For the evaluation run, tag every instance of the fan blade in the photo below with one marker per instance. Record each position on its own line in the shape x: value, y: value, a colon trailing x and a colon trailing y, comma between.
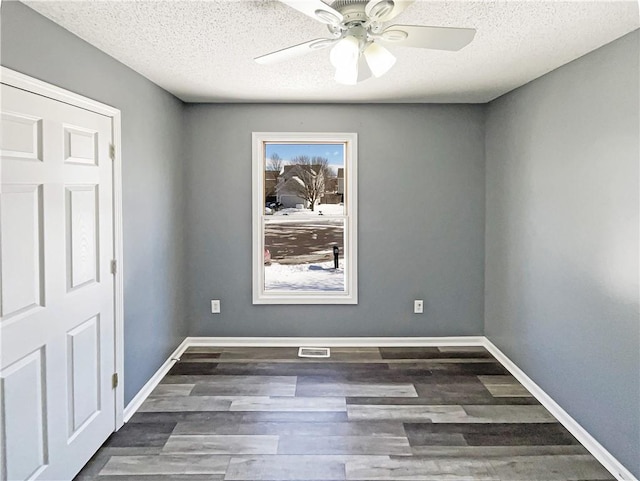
x: 385, y: 10
x: 421, y: 36
x: 317, y: 10
x: 295, y: 51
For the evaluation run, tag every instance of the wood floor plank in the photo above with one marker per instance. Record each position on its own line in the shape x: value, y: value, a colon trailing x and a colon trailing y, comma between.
x: 141, y: 436
x: 355, y: 389
x: 442, y: 397
x: 452, y: 413
x: 162, y: 477
x: 172, y: 390
x: 354, y: 428
x: 213, y: 349
x: 494, y: 451
x: 351, y: 354
x: 418, y: 469
x: 246, y: 386
x: 307, y: 404
x: 285, y: 468
x: 240, y: 417
x: 479, y: 349
x: 268, y: 353
x: 185, y: 378
x: 258, y: 380
x: 344, y: 445
x: 428, y: 353
x: 424, y: 413
x: 508, y: 414
x: 550, y: 468
x: 193, y: 368
x: 215, y: 444
x: 166, y: 464
x: 185, y: 403
x: 490, y: 434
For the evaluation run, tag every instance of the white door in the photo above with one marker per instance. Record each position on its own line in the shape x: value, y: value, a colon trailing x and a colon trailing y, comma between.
x: 57, y: 302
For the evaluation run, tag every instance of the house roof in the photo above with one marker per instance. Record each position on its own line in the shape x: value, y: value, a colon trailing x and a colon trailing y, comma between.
x: 315, y: 168
x: 271, y: 175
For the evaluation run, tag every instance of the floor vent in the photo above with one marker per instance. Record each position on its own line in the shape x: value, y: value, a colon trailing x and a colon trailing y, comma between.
x: 314, y: 352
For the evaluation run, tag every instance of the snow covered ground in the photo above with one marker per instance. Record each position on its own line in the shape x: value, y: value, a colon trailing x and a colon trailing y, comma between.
x: 304, y: 277
x: 326, y: 209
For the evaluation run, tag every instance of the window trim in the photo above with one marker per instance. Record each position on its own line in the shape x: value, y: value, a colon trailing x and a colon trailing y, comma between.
x: 350, y: 295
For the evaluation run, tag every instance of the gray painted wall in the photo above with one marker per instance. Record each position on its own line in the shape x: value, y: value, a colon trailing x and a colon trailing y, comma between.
x: 562, y: 239
x: 421, y: 220
x: 152, y: 177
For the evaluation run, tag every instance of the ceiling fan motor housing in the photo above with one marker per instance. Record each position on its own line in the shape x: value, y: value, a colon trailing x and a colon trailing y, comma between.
x: 354, y: 15
x: 351, y: 10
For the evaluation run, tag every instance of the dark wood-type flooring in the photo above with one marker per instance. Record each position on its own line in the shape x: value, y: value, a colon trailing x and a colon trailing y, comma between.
x: 366, y: 414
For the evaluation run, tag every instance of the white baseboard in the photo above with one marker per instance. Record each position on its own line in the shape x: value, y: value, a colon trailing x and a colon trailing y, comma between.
x: 594, y: 447
x: 143, y: 394
x: 336, y: 341
x: 598, y: 451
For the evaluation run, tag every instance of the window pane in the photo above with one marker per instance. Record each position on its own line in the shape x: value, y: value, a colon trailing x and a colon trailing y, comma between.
x: 300, y: 255
x: 303, y: 176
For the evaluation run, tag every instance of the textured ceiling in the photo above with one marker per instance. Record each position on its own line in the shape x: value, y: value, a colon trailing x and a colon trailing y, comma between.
x: 202, y: 51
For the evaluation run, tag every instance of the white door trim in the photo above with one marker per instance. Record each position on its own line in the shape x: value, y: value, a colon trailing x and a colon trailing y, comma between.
x: 29, y: 84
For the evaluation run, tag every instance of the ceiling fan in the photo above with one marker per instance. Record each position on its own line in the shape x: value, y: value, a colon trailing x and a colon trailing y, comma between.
x: 358, y: 32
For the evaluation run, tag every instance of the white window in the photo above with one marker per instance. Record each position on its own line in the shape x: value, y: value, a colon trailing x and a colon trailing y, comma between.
x: 304, y: 218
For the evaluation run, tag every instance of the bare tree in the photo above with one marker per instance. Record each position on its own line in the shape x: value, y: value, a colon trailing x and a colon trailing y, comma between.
x: 307, y: 178
x: 273, y: 169
x: 275, y: 163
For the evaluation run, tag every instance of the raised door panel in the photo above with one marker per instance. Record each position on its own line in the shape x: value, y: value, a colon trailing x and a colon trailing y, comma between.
x: 82, y: 236
x: 83, y: 356
x: 24, y: 451
x: 80, y: 145
x: 21, y: 136
x: 22, y: 249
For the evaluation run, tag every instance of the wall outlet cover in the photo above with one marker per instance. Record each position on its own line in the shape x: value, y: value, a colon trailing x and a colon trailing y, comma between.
x: 215, y: 307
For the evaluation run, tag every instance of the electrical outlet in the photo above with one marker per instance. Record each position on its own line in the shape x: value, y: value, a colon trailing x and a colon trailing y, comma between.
x: 215, y: 307
x: 418, y: 306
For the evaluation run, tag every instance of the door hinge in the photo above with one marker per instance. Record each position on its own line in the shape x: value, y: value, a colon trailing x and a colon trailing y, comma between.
x: 114, y: 380
x: 114, y: 266
x: 112, y: 151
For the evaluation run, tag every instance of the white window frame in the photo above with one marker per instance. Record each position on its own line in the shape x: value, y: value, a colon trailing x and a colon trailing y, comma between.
x: 350, y: 294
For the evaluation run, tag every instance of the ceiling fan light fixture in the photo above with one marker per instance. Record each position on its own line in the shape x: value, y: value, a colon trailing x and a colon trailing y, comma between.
x: 379, y: 59
x: 345, y: 53
x: 347, y: 74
